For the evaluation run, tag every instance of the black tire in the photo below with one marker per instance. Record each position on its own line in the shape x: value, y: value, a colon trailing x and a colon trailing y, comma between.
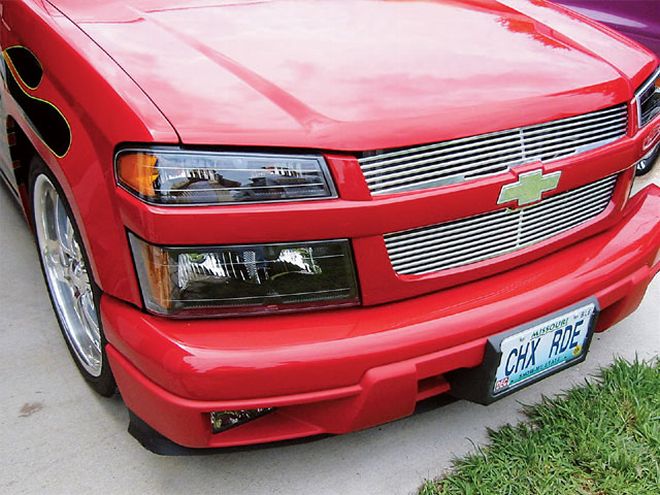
x: 103, y: 384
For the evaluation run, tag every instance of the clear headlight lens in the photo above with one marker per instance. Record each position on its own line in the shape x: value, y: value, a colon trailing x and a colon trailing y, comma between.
x: 648, y: 99
x: 175, y: 177
x: 204, y: 281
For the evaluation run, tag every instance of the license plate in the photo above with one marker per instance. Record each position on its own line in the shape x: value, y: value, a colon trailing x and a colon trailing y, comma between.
x: 539, y: 350
x: 528, y: 353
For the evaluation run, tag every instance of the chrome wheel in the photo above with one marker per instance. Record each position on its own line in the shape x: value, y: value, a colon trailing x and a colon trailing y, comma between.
x: 67, y: 275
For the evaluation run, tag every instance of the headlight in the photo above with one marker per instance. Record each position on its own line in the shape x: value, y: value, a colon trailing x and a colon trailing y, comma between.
x: 193, y: 178
x: 205, y: 281
x: 647, y: 98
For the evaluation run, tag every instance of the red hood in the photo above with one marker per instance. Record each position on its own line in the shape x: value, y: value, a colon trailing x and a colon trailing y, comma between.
x: 359, y: 74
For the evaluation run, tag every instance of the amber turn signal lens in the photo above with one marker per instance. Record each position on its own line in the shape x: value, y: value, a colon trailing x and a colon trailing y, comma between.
x: 156, y: 266
x: 137, y: 171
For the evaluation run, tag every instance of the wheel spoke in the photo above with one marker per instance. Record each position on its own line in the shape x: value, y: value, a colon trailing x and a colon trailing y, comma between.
x: 61, y: 272
x: 64, y: 229
x: 52, y: 251
x: 83, y: 304
x: 67, y: 275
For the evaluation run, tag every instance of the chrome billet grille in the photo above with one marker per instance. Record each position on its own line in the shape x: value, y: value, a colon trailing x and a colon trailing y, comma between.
x: 449, y: 162
x: 472, y: 239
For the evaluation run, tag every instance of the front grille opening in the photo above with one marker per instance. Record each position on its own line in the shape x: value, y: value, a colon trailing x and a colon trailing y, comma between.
x: 459, y: 160
x: 473, y: 239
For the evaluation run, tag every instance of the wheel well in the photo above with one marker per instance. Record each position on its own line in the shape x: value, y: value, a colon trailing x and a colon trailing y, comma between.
x: 22, y: 154
x: 21, y: 151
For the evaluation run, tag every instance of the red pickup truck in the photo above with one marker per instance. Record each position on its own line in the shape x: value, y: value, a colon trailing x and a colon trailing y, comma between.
x: 263, y: 221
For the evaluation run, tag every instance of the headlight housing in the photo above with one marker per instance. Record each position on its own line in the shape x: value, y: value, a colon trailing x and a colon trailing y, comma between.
x: 234, y: 280
x: 647, y: 99
x: 179, y: 177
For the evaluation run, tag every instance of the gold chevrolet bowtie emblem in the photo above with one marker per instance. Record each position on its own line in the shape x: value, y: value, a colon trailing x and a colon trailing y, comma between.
x: 529, y: 188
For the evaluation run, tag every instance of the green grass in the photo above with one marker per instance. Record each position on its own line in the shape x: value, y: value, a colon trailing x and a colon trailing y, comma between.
x: 602, y: 438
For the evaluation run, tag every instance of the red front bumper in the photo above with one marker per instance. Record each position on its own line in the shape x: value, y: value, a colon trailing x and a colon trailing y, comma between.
x: 344, y: 370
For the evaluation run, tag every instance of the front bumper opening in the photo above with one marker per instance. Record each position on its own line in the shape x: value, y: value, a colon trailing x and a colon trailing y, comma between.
x: 225, y: 420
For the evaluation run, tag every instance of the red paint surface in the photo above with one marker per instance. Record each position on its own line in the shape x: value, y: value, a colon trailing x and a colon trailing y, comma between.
x: 368, y: 75
x: 308, y: 76
x: 344, y: 370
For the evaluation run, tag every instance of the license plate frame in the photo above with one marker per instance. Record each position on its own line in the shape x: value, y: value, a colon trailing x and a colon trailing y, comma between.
x: 479, y: 384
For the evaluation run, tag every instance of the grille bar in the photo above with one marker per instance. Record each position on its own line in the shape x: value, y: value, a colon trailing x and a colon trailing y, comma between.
x: 472, y: 239
x: 447, y: 162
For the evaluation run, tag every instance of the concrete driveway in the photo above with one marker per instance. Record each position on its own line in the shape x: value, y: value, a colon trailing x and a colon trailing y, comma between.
x: 58, y: 437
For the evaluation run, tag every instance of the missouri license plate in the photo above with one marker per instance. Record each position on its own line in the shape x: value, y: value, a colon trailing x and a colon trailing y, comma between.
x: 528, y: 353
x: 537, y: 351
